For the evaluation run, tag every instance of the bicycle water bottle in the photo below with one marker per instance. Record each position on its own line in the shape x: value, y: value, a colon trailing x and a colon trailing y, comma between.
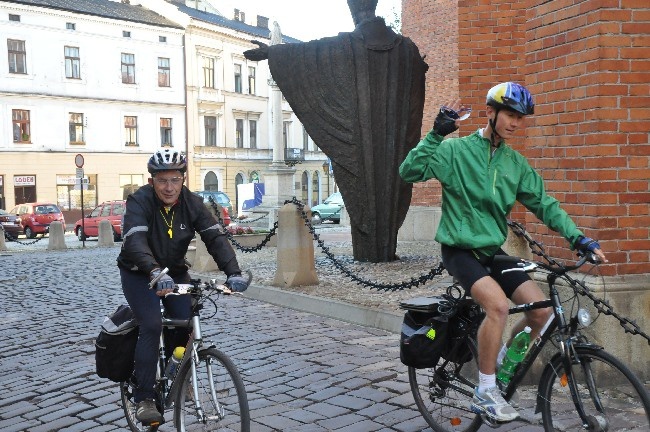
x: 515, y: 354
x: 174, y: 361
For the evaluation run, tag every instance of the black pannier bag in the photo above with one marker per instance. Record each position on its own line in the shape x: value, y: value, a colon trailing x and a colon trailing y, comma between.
x: 424, y: 332
x: 460, y: 326
x: 115, y: 345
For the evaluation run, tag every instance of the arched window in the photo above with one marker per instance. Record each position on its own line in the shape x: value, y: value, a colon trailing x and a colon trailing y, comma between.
x: 211, y: 182
x: 304, y: 186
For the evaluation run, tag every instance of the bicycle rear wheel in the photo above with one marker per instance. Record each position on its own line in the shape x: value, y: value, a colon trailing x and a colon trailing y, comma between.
x: 444, y: 394
x: 612, y: 396
x: 221, y: 396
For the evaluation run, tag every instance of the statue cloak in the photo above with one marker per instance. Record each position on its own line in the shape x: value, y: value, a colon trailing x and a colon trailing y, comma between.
x: 360, y: 96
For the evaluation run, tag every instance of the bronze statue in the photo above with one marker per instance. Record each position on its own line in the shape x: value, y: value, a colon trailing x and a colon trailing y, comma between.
x: 360, y: 96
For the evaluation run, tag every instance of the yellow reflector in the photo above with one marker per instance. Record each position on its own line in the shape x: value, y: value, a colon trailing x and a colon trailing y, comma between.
x: 564, y: 380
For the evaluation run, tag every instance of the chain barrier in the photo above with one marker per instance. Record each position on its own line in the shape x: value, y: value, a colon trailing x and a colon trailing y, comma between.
x: 602, y: 306
x: 231, y: 237
x: 414, y: 282
x: 11, y: 238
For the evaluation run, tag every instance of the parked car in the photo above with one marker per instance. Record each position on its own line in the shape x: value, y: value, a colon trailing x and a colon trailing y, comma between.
x: 35, y: 218
x: 11, y: 225
x: 330, y: 209
x: 223, y: 202
x: 109, y: 210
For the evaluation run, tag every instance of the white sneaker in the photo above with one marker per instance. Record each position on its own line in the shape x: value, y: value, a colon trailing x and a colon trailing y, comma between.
x: 491, y: 403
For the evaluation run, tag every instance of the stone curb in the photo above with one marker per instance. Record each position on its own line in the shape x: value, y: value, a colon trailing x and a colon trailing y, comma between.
x: 359, y: 315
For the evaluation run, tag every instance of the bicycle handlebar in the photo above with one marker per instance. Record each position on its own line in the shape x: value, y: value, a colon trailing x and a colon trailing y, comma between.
x: 180, y: 289
x: 560, y: 269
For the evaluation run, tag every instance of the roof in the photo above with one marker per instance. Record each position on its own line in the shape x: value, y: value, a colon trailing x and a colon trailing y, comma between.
x: 105, y: 9
x: 230, y: 23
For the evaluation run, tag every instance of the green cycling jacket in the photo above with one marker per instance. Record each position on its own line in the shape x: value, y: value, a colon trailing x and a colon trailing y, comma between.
x: 479, y: 189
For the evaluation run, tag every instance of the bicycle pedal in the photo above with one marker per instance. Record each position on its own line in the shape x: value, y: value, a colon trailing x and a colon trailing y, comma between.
x: 490, y: 422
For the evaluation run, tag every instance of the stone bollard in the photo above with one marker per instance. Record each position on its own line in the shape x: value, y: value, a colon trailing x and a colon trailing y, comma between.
x: 57, y: 237
x: 105, y: 238
x: 295, y: 262
x: 3, y: 246
x: 203, y: 261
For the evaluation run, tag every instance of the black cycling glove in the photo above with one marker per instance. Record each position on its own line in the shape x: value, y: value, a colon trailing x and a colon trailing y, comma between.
x: 236, y: 282
x: 445, y: 122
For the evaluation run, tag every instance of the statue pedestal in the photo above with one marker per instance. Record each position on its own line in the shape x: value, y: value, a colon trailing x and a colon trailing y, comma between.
x: 278, y: 188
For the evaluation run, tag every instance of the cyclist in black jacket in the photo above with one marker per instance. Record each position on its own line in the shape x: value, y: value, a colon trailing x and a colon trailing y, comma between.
x: 160, y: 220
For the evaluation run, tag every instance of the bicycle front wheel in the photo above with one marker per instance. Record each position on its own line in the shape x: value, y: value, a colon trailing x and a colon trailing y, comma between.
x: 444, y: 394
x: 612, y: 397
x: 222, y: 404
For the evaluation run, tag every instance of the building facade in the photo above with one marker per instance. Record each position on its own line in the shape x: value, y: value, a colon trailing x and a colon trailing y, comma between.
x: 107, y: 84
x: 113, y: 81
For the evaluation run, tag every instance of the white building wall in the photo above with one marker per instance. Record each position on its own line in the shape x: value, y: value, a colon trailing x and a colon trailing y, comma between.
x: 99, y: 95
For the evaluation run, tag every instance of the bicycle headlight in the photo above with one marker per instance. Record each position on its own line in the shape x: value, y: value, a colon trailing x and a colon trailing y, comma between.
x: 584, y: 317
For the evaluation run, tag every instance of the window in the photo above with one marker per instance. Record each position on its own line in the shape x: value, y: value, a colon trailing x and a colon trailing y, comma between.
x: 14, y: 17
x: 76, y: 126
x: 163, y: 72
x: 71, y: 26
x: 20, y: 120
x: 305, y: 139
x: 208, y: 72
x: 210, y: 131
x: 126, y: 34
x: 128, y: 68
x: 131, y: 130
x: 239, y: 133
x: 162, y: 39
x: 166, y: 132
x: 237, y: 78
x: 251, y: 80
x: 17, y: 56
x: 72, y: 64
x: 130, y: 183
x: 252, y: 130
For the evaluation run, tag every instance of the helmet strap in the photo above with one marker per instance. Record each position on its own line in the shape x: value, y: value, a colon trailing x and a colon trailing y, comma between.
x: 493, y: 126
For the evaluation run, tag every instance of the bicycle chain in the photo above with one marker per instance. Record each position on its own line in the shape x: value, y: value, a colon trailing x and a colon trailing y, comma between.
x: 602, y: 306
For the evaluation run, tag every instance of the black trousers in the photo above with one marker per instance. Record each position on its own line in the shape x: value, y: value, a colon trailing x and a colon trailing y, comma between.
x: 146, y: 307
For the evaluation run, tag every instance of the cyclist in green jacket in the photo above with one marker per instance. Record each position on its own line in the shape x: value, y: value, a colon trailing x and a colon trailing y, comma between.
x: 481, y: 179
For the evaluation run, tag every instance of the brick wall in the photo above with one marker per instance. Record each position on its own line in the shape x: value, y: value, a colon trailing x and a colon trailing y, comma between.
x: 587, y: 63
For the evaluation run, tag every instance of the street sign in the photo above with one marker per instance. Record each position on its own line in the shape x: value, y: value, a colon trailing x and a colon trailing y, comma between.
x: 80, y: 173
x: 79, y: 161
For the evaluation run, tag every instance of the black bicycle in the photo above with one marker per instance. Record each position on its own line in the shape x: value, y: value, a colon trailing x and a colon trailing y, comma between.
x: 582, y: 387
x: 207, y: 392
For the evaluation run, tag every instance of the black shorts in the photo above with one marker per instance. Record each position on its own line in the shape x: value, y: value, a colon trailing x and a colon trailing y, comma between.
x: 466, y: 268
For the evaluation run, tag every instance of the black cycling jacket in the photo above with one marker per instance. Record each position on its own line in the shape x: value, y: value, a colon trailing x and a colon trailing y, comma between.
x: 145, y: 240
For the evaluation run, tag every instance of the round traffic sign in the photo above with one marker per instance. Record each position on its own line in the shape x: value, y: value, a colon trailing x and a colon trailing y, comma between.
x: 79, y: 161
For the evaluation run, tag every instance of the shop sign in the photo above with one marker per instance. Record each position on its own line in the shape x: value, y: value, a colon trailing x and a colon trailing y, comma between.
x: 23, y: 180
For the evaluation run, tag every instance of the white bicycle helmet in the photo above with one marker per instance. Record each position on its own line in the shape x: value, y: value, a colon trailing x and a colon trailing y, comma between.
x: 166, y: 160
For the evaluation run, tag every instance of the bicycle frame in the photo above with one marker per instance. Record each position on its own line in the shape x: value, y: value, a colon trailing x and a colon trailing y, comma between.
x: 566, y: 341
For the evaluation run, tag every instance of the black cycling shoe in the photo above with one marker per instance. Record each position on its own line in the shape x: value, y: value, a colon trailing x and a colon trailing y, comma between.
x: 147, y: 413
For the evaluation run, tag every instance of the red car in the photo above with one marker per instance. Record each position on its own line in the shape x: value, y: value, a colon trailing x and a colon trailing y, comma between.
x: 35, y: 218
x: 109, y: 210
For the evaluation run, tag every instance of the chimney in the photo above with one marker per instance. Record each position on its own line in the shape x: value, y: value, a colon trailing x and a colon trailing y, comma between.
x: 236, y: 18
x: 262, y: 22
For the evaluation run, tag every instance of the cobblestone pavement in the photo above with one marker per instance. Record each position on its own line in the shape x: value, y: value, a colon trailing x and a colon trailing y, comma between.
x: 303, y: 372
